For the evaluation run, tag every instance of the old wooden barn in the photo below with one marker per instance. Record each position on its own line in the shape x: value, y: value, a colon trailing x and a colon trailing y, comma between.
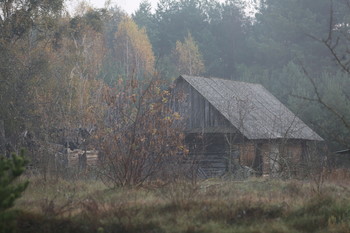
x: 231, y: 124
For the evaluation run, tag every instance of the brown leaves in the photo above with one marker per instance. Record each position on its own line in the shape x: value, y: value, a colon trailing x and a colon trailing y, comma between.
x: 147, y: 140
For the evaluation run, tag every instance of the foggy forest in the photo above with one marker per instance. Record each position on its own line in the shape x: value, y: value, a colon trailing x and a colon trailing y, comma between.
x: 193, y: 116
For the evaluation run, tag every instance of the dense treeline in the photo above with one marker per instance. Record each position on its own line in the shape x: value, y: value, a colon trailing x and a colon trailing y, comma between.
x: 282, y: 47
x: 56, y: 67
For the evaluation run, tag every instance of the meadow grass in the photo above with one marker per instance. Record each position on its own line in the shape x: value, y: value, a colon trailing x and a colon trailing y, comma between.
x: 254, y: 205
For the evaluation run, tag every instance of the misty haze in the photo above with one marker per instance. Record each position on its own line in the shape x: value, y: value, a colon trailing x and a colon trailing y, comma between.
x: 174, y: 116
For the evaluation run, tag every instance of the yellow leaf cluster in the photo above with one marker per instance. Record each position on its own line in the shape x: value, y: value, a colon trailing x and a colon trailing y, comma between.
x: 189, y: 58
x: 134, y: 47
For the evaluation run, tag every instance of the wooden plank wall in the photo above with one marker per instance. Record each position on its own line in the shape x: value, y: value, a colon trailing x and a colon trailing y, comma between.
x: 259, y: 155
x: 196, y: 110
x: 290, y: 152
x: 209, y: 153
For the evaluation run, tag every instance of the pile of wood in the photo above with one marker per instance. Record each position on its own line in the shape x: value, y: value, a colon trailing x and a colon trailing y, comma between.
x: 82, y: 158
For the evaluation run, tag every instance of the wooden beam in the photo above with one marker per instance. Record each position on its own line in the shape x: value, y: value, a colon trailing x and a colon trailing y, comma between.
x: 2, y: 138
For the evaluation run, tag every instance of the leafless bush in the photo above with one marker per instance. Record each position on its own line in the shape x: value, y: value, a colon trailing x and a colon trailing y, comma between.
x: 179, y: 192
x: 138, y: 139
x: 52, y: 207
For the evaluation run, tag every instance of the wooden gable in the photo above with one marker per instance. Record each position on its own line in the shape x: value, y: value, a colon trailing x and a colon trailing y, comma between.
x: 197, y: 112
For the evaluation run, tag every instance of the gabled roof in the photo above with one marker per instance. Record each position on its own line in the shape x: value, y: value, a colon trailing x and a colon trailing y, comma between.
x: 251, y: 109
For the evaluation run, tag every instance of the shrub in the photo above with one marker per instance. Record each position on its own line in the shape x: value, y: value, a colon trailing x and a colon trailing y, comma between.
x: 139, y: 140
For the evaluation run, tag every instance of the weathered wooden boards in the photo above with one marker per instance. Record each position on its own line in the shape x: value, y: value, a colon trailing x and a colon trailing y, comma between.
x: 81, y: 158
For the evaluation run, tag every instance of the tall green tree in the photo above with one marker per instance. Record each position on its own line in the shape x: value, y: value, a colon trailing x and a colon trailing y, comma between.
x: 282, y: 33
x: 230, y: 36
x: 144, y: 18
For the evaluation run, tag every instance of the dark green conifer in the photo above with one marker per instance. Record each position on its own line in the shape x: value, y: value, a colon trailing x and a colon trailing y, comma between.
x: 10, y: 189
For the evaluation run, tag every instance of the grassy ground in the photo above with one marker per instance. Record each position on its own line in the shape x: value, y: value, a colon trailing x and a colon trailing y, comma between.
x: 256, y: 205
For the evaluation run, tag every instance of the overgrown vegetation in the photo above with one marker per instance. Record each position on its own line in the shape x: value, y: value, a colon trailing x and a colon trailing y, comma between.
x: 256, y: 205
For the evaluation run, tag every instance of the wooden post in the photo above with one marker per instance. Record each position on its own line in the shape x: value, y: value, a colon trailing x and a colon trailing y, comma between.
x: 274, y: 159
x: 82, y: 161
x: 304, y: 157
x: 304, y: 153
x: 258, y: 160
x: 2, y: 138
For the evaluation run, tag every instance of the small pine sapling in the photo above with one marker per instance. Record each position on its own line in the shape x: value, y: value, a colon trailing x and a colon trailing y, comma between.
x: 10, y: 170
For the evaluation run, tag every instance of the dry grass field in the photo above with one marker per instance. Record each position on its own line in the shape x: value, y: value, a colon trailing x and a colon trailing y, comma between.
x: 255, y: 205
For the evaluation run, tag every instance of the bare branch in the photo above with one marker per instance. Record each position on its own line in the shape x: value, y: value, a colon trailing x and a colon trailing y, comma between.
x: 320, y: 100
x: 329, y: 41
x: 330, y: 29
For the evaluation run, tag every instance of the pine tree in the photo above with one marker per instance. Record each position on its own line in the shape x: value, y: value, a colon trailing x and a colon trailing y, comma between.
x: 10, y: 170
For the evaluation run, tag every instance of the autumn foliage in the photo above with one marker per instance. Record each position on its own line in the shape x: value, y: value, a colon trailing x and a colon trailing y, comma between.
x: 134, y: 50
x: 138, y: 138
x: 189, y: 60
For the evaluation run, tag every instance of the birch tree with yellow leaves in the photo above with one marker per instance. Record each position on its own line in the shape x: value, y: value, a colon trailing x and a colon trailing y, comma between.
x: 135, y: 57
x: 189, y: 60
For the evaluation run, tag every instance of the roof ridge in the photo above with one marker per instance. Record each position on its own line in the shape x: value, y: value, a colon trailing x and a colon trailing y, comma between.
x: 219, y: 78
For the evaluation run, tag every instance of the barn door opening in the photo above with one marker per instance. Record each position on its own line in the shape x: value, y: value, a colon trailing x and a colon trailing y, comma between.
x: 213, y: 160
